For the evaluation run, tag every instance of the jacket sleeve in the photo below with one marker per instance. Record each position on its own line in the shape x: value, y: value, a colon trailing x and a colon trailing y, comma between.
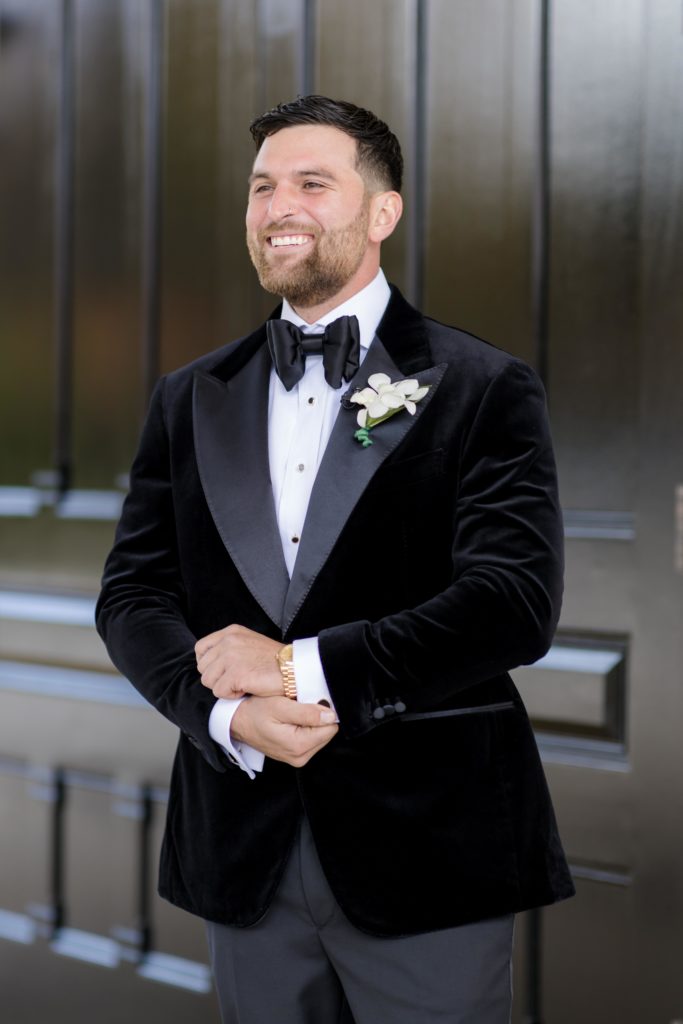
x: 140, y: 613
x: 501, y: 607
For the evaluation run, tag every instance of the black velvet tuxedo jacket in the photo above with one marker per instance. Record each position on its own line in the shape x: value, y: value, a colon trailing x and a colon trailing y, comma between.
x: 429, y: 565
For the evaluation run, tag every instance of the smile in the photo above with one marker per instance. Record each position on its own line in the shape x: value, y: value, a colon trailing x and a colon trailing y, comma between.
x: 282, y: 240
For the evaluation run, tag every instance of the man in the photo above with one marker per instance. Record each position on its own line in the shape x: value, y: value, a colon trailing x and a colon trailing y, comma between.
x: 325, y: 567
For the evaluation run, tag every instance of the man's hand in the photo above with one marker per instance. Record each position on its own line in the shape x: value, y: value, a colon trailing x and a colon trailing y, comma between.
x: 235, y: 661
x: 284, y: 729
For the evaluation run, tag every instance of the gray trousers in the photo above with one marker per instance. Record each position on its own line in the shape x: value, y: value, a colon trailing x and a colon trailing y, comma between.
x: 305, y: 964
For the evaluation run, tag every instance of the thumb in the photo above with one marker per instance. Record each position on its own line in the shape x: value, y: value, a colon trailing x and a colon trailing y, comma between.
x: 310, y: 715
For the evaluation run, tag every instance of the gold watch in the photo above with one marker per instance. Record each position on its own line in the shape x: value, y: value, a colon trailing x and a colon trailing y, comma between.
x: 285, y: 659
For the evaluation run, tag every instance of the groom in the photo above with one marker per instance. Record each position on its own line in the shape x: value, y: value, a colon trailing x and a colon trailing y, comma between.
x: 342, y: 531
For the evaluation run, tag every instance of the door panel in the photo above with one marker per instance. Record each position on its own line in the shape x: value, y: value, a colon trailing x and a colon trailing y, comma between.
x: 596, y: 183
x: 481, y: 82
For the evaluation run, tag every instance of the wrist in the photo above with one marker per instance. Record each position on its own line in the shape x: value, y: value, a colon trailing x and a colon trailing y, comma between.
x: 236, y: 735
x: 285, y: 660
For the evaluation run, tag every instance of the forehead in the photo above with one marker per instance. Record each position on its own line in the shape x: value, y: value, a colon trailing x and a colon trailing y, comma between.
x: 304, y: 147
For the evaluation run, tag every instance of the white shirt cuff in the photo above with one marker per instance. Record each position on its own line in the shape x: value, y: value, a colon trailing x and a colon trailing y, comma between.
x: 311, y: 685
x: 247, y: 758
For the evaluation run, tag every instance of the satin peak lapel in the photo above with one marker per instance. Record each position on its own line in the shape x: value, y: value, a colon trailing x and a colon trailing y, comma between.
x: 231, y: 446
x: 346, y: 470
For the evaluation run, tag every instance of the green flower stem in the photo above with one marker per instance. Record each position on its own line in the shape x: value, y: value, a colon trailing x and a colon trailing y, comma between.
x: 363, y: 436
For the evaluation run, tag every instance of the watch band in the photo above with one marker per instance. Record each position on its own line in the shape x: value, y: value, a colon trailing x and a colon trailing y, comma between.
x: 285, y: 659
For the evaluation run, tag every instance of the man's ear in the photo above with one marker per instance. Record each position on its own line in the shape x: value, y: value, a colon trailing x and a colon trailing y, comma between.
x: 385, y: 212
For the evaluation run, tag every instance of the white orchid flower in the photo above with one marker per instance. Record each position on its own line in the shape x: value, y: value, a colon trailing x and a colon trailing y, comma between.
x: 382, y: 398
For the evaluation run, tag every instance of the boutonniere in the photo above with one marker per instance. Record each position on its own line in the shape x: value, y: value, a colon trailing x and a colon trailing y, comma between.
x: 383, y: 399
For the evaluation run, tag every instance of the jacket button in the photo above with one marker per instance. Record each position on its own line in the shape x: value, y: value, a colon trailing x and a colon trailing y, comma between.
x: 378, y: 714
x: 399, y: 707
x: 389, y: 709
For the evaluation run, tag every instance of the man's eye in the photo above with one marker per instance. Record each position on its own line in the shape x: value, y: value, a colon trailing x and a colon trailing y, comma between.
x: 312, y: 185
x: 261, y: 188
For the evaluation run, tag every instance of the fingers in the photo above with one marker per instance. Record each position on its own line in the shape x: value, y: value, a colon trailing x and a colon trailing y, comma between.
x: 302, y: 753
x: 212, y: 673
x: 212, y: 653
x: 283, y: 729
x: 205, y: 643
x: 304, y: 730
x: 296, y: 746
x: 236, y: 660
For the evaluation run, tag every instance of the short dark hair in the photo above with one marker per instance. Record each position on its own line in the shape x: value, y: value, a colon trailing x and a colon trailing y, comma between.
x: 379, y: 152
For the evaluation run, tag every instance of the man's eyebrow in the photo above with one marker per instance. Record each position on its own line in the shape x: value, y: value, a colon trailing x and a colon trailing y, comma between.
x: 316, y: 172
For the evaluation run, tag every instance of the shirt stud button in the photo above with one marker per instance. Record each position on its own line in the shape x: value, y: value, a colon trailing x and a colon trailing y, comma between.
x: 311, y: 401
x: 295, y: 540
x: 300, y: 468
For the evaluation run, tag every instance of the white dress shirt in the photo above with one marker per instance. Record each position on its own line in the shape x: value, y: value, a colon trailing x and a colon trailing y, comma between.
x: 300, y: 422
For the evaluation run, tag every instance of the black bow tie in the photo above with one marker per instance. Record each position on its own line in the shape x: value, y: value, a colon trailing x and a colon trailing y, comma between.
x: 339, y: 345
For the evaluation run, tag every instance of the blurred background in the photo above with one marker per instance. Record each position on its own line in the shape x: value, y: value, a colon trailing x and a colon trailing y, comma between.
x: 544, y: 150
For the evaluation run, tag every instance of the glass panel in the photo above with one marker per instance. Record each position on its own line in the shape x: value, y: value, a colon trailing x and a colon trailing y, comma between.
x: 596, y: 183
x: 226, y: 63
x: 280, y: 50
x: 110, y: 42
x: 481, y: 86
x: 27, y: 84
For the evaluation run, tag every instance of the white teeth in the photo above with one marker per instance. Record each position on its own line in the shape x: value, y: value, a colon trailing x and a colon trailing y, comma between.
x: 290, y: 240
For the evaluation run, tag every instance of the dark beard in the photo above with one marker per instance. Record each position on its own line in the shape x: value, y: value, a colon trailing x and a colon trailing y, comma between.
x: 323, y: 273
x: 307, y: 285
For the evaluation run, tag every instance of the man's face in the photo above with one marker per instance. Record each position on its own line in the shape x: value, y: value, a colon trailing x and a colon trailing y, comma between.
x: 308, y: 215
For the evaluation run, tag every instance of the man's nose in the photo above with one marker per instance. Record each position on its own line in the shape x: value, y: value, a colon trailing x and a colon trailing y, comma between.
x: 282, y: 202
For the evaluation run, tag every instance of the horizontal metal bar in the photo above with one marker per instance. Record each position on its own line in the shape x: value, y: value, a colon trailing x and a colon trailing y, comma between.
x: 69, y: 683
x: 82, y: 504
x: 80, y: 945
x: 17, y: 927
x: 581, y: 752
x: 60, y: 609
x: 175, y: 970
x: 599, y: 524
x: 609, y: 876
x: 21, y: 502
x: 27, y: 502
x: 593, y: 661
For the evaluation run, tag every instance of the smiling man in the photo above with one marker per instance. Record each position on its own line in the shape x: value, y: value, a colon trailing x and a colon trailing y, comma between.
x: 342, y: 532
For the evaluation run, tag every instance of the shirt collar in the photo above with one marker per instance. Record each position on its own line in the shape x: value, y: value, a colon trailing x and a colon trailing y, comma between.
x: 368, y: 305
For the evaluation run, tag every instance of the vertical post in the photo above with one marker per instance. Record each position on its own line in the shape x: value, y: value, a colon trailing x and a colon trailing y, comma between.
x: 57, y: 851
x: 540, y: 301
x: 64, y: 251
x: 418, y: 197
x: 152, y: 201
x: 540, y: 243
x: 144, y: 865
